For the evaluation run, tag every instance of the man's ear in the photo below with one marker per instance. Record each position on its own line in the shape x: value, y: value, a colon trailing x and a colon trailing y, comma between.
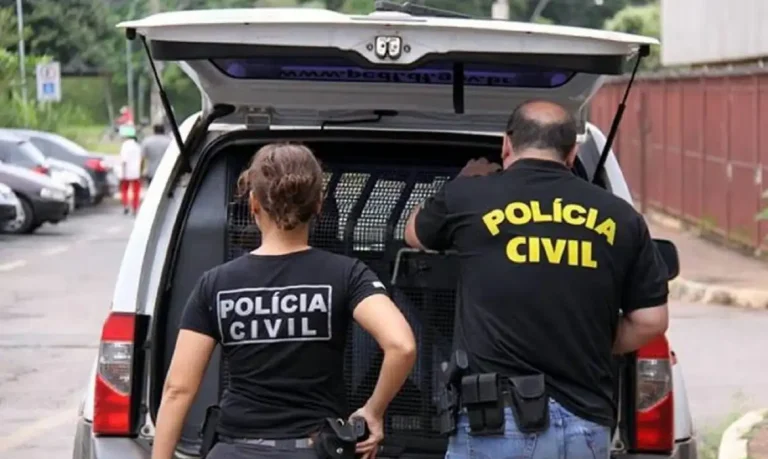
x: 571, y: 157
x: 506, y: 148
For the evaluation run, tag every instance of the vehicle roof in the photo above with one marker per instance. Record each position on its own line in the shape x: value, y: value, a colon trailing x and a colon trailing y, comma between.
x: 9, y: 135
x: 244, y: 16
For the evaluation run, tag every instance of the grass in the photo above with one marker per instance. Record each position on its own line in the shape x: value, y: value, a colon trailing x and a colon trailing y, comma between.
x: 709, y: 437
x: 92, y: 138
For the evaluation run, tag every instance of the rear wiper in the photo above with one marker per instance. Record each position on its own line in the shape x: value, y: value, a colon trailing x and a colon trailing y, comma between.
x: 377, y: 116
x: 644, y: 51
x: 415, y: 9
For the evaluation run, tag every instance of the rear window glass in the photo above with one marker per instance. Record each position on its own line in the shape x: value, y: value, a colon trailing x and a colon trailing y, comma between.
x: 433, y: 73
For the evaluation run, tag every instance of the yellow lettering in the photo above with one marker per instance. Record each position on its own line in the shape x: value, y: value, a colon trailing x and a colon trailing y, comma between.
x: 534, y: 249
x: 554, y: 253
x: 492, y: 220
x: 586, y: 255
x: 537, y: 215
x: 569, y: 217
x: 573, y: 252
x: 511, y: 213
x: 591, y: 218
x: 557, y: 210
x: 607, y: 229
x: 512, y: 250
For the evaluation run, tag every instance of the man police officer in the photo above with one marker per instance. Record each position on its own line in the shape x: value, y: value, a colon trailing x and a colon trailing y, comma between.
x: 556, y: 276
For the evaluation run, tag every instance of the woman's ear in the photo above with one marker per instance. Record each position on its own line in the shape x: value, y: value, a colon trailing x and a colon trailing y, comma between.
x: 253, y: 204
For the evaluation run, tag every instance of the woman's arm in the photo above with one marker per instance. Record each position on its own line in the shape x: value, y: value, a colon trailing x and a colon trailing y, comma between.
x: 379, y: 316
x: 190, y: 359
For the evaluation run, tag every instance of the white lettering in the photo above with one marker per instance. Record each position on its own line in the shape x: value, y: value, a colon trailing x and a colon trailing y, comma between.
x: 236, y: 330
x: 254, y: 329
x: 305, y: 330
x: 244, y: 306
x: 291, y: 327
x: 260, y: 309
x: 273, y: 327
x: 226, y: 306
x: 317, y: 304
x: 289, y: 308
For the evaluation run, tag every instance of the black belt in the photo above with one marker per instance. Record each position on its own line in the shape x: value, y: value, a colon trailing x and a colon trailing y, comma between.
x: 288, y: 443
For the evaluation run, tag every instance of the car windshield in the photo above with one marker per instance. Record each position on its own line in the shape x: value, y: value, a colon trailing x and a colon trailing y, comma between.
x: 31, y: 152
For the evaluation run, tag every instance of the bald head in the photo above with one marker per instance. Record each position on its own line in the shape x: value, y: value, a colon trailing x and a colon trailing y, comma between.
x: 544, y: 127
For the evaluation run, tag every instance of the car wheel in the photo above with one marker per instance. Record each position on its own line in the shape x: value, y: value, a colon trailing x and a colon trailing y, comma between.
x: 24, y: 223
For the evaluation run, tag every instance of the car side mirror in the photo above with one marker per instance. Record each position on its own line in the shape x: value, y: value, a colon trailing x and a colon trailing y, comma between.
x: 668, y: 253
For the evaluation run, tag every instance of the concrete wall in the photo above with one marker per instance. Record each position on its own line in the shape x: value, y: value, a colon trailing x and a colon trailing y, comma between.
x: 697, y: 32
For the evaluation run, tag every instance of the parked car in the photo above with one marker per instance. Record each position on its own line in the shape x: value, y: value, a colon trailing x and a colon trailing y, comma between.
x: 61, y: 148
x: 8, y: 204
x: 409, y: 126
x: 42, y: 199
x: 17, y: 150
x: 81, y: 181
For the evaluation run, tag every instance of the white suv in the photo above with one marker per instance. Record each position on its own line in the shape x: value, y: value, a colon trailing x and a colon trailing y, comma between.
x: 393, y: 104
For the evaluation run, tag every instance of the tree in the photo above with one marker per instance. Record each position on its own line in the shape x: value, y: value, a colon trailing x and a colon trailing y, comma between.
x: 640, y: 20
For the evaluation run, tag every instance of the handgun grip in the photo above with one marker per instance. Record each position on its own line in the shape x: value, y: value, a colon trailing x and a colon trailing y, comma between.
x: 360, y: 428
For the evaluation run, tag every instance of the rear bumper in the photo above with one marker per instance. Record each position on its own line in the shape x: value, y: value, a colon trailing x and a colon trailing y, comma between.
x: 50, y: 211
x: 89, y: 447
x: 684, y: 449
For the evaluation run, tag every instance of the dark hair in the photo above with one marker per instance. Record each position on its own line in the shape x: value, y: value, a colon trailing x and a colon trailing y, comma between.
x: 554, y: 130
x: 288, y: 182
x: 158, y: 129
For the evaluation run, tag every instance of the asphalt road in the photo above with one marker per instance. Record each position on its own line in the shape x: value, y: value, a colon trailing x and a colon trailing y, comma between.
x: 56, y: 287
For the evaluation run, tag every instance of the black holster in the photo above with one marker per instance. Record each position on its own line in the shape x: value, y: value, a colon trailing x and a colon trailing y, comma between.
x: 448, y: 396
x: 337, y: 439
x: 208, y: 433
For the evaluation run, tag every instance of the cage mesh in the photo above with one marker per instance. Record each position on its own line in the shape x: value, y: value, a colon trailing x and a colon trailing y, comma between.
x: 364, y: 216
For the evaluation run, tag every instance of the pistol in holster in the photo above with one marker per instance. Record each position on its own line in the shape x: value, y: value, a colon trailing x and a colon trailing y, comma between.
x: 484, y: 397
x: 337, y: 439
x: 208, y: 432
x: 449, y: 391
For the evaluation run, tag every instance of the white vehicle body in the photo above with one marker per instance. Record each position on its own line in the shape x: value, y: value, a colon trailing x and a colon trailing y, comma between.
x: 265, y: 108
x: 74, y: 175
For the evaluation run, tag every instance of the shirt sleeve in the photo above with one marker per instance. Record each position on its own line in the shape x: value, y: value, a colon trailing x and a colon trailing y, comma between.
x: 363, y: 282
x: 432, y: 223
x: 198, y: 313
x: 646, y: 283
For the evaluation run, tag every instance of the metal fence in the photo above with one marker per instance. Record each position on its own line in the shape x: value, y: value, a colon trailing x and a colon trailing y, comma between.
x: 695, y: 146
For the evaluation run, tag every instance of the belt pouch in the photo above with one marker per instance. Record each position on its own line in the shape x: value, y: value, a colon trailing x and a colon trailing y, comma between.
x: 481, y: 396
x: 336, y: 440
x: 530, y: 403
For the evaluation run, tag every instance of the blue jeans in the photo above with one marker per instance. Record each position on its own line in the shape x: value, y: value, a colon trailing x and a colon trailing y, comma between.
x: 568, y: 436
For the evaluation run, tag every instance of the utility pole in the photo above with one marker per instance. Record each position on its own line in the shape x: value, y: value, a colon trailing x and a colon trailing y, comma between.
x: 155, y: 105
x: 22, y: 58
x: 539, y: 8
x: 500, y: 10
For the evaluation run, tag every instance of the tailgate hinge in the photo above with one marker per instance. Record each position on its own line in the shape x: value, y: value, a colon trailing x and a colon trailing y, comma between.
x: 258, y: 118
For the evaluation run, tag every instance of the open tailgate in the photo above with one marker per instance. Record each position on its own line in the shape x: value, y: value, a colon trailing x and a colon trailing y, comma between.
x: 302, y: 66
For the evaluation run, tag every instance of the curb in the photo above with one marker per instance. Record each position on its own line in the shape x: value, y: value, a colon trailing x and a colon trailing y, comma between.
x: 733, y: 445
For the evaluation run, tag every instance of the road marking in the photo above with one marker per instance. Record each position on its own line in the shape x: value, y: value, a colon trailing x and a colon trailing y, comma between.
x: 55, y: 250
x: 36, y: 429
x: 12, y: 265
x: 114, y: 229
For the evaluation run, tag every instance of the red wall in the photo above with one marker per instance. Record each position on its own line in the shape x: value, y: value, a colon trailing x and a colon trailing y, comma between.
x: 706, y: 148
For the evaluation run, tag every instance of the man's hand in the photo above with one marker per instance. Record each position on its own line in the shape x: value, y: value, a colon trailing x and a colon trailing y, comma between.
x: 479, y: 167
x: 369, y: 447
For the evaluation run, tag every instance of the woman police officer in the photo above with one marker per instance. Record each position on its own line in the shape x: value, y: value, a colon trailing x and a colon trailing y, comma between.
x: 281, y: 314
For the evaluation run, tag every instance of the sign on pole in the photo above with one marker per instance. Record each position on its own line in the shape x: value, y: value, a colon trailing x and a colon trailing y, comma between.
x: 49, y: 82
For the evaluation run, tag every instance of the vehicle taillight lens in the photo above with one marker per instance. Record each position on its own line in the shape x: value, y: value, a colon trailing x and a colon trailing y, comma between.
x: 112, y: 403
x: 95, y: 164
x: 655, y: 422
x: 41, y: 170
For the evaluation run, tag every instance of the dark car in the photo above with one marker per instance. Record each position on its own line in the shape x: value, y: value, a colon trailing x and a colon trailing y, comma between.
x: 41, y: 199
x: 61, y: 148
x: 16, y: 150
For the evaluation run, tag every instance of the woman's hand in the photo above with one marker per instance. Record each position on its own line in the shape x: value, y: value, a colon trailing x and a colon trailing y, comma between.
x: 369, y: 447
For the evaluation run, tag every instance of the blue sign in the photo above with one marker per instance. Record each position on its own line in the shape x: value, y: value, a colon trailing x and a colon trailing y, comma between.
x: 48, y: 82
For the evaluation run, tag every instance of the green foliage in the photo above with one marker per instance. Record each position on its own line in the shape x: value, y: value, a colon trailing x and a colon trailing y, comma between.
x: 640, y: 20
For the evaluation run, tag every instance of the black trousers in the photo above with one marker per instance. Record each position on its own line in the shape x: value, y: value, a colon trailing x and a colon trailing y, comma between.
x: 241, y: 451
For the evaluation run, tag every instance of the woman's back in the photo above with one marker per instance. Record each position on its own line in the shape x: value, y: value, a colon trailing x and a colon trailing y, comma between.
x: 282, y: 321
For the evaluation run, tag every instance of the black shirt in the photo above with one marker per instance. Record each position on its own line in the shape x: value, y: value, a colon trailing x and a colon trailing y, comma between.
x: 547, y: 260
x: 282, y: 322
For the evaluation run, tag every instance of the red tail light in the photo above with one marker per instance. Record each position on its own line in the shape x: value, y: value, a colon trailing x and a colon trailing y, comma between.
x: 112, y: 403
x: 655, y: 422
x: 96, y: 165
x: 41, y: 170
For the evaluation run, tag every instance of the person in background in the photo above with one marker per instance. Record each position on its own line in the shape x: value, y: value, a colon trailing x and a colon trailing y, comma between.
x: 130, y: 168
x: 153, y: 148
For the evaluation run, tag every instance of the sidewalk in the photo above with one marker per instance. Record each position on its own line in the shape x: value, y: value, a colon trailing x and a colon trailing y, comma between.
x: 710, y: 273
x: 757, y: 445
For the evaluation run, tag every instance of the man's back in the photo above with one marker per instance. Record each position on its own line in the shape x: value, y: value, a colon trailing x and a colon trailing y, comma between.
x: 544, y: 259
x: 153, y: 148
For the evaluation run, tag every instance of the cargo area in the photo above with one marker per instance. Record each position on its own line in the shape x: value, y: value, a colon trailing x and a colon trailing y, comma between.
x: 373, y: 179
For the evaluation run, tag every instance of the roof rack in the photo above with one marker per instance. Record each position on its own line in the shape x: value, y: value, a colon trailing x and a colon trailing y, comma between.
x: 415, y: 9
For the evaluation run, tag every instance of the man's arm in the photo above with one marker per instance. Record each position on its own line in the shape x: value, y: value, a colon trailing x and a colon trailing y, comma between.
x: 646, y: 314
